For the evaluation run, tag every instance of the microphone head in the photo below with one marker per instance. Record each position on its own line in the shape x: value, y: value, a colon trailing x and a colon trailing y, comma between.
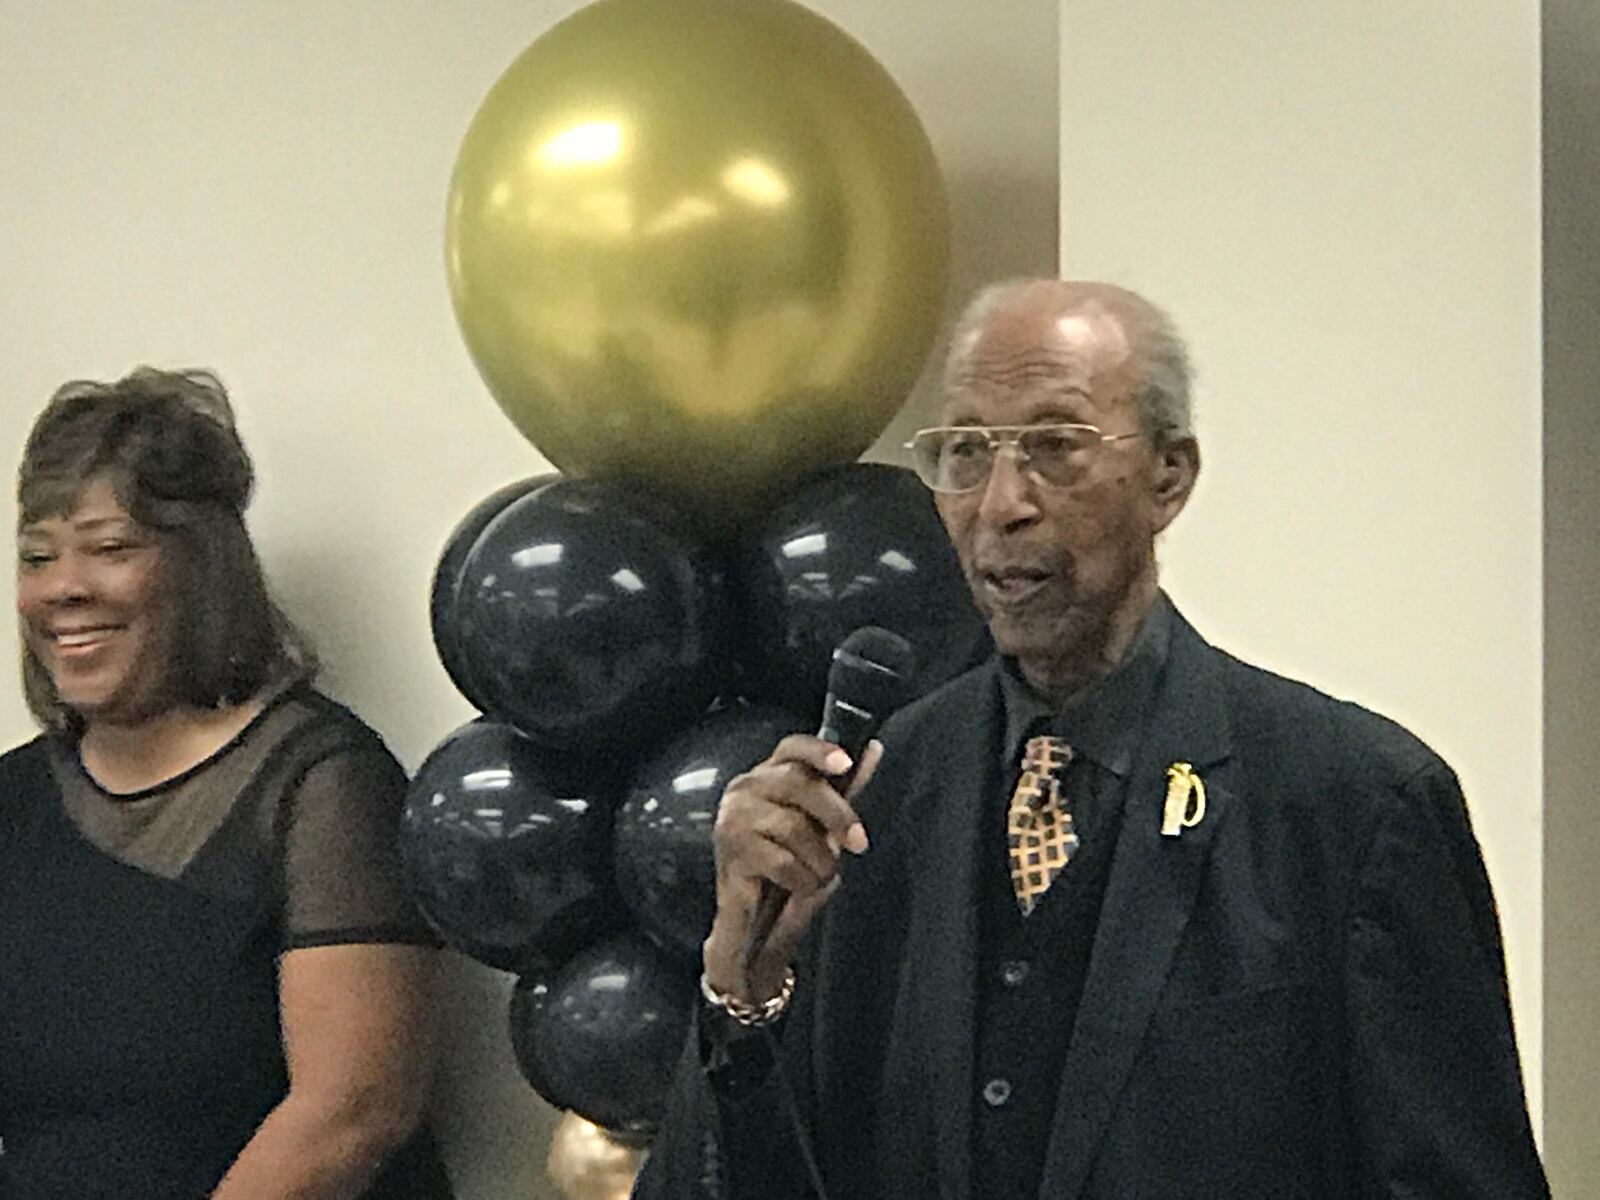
x: 870, y: 677
x: 875, y: 647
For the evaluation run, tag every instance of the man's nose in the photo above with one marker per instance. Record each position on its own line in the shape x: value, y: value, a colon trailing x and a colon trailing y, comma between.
x: 1008, y: 494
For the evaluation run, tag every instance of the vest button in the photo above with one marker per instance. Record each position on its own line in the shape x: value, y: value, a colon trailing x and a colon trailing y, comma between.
x: 1013, y: 971
x: 996, y: 1092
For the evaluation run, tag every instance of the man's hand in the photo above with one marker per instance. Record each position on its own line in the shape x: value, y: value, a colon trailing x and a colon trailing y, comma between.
x: 781, y: 821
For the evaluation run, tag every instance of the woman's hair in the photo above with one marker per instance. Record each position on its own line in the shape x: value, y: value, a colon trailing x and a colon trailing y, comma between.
x: 166, y: 443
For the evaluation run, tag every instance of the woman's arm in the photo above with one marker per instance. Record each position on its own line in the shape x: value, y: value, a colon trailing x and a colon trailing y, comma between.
x: 357, y: 1035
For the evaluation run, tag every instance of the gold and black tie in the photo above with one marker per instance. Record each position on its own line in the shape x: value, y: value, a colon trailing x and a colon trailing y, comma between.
x: 1039, y: 832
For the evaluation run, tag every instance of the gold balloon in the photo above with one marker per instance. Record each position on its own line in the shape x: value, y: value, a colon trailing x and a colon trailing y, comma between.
x: 587, y: 1163
x: 700, y: 244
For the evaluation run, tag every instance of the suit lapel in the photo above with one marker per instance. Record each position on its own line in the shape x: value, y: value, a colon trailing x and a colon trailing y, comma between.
x: 946, y: 933
x: 1152, y: 890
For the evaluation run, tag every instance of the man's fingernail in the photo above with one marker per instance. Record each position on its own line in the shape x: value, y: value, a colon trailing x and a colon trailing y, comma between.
x: 837, y: 763
x: 855, y: 839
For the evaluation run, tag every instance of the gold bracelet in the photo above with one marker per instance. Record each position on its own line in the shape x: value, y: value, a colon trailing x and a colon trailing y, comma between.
x: 751, y: 1015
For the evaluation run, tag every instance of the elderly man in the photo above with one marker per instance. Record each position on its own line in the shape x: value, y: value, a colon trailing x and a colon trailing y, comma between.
x: 1115, y: 915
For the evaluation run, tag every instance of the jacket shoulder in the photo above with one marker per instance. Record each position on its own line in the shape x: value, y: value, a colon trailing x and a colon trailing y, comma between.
x: 1284, y: 718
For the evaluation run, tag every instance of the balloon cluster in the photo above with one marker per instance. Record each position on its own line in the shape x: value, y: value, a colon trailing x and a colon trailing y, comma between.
x: 698, y: 252
x: 627, y: 672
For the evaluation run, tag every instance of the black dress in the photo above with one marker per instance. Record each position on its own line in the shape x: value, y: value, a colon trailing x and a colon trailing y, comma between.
x: 139, y: 1037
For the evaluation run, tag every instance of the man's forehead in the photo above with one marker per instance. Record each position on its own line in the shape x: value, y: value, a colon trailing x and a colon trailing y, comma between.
x: 1092, y: 329
x: 1085, y: 333
x: 1044, y: 356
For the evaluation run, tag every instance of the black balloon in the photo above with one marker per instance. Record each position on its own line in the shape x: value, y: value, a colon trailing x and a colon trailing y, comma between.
x: 588, y: 620
x: 447, y: 577
x: 603, y: 1036
x: 664, y: 862
x: 510, y: 865
x: 860, y: 545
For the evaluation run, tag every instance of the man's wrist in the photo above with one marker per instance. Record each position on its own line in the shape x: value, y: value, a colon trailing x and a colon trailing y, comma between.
x: 724, y: 972
x: 746, y: 1013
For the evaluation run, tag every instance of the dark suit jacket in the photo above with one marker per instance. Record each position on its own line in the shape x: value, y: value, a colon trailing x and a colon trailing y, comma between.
x: 1301, y: 996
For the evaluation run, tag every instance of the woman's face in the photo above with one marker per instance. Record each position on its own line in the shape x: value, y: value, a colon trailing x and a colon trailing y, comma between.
x: 97, y: 609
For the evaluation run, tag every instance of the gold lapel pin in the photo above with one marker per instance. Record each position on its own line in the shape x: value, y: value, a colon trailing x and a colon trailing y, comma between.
x: 1186, y: 800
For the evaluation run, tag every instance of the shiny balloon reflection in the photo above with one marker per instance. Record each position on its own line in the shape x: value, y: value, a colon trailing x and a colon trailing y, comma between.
x: 665, y: 866
x: 588, y: 621
x: 699, y: 243
x: 602, y: 1036
x: 509, y: 865
x: 445, y: 586
x: 860, y: 545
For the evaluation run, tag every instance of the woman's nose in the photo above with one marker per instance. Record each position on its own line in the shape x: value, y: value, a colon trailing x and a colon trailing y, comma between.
x: 61, y: 581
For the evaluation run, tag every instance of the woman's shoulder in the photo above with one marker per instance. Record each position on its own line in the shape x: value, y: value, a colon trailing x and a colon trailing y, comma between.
x: 28, y: 756
x: 311, y: 703
x: 26, y: 781
x: 307, y: 719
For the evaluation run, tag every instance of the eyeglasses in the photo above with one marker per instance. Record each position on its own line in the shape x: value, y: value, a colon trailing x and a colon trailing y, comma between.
x: 959, y: 458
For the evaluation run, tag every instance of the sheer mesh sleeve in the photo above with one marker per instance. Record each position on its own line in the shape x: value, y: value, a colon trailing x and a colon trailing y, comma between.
x: 342, y: 875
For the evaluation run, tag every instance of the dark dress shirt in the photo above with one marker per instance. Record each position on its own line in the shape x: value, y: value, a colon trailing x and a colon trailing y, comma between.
x: 1031, y: 969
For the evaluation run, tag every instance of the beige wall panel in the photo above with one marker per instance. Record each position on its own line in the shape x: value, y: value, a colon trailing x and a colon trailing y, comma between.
x: 1340, y: 203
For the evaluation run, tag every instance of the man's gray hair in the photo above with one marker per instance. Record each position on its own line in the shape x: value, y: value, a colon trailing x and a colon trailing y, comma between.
x: 1164, y: 397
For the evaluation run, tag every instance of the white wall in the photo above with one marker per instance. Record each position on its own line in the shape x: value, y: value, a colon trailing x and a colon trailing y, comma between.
x: 1339, y: 202
x: 258, y: 186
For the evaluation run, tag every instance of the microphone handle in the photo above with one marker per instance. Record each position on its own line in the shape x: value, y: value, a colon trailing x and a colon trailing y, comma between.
x: 853, y: 739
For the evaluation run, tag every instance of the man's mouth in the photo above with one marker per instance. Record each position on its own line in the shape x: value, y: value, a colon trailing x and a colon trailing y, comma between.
x: 1012, y: 585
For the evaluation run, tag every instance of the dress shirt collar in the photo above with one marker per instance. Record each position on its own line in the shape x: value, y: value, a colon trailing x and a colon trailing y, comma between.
x: 1103, y: 721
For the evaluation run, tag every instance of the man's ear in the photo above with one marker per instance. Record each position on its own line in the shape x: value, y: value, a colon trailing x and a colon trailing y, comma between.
x: 1177, y: 466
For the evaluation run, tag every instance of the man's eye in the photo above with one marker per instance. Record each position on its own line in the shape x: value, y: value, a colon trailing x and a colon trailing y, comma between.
x: 965, y: 448
x: 1049, y: 444
x: 111, y: 549
x: 34, y: 558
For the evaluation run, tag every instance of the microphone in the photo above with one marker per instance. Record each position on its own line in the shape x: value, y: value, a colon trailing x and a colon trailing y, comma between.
x: 869, y: 679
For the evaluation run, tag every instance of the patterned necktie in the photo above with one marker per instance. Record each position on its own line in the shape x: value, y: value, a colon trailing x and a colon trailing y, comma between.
x: 1039, y: 833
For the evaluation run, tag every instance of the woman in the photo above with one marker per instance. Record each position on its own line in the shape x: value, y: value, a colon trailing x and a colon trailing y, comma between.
x: 211, y: 980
